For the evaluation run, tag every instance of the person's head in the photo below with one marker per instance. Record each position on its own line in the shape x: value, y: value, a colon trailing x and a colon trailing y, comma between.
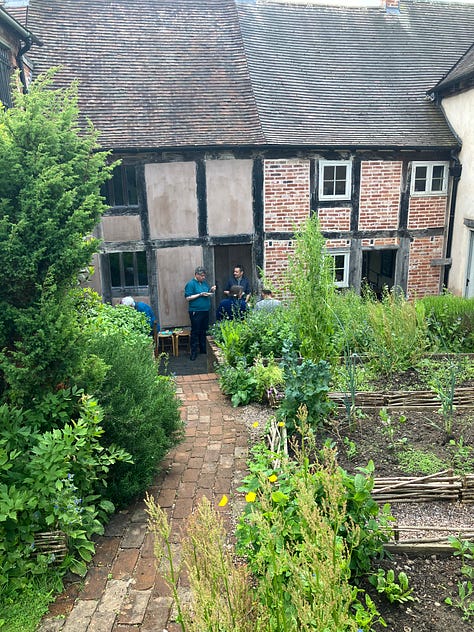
x: 128, y: 300
x: 235, y: 291
x: 238, y: 272
x: 200, y: 273
x: 266, y: 293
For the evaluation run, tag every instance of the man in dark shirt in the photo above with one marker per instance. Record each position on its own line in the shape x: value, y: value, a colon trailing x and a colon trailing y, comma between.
x: 238, y: 278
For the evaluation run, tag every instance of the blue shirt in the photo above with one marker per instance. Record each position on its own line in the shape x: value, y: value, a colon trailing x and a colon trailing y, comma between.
x: 144, y: 308
x: 202, y: 303
x: 231, y: 308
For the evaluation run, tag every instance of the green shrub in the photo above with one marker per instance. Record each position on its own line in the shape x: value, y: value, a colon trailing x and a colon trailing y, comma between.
x: 450, y: 322
x: 141, y: 411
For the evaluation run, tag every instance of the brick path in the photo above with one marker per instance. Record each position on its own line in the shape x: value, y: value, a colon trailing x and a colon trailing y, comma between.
x: 123, y: 590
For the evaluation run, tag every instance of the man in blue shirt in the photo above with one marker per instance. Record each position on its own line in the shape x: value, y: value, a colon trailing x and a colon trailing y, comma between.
x: 144, y: 308
x: 198, y: 292
x: 238, y: 278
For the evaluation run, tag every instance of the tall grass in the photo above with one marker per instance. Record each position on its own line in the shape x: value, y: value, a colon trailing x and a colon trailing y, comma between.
x: 450, y: 322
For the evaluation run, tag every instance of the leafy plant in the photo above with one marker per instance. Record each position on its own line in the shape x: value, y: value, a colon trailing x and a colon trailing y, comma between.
x: 414, y: 461
x: 311, y: 284
x: 239, y: 382
x: 390, y: 424
x: 306, y: 383
x: 445, y: 390
x: 396, y: 590
x: 465, y: 599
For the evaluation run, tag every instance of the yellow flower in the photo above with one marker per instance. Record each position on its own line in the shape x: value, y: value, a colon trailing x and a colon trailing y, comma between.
x: 250, y: 497
x: 281, y: 424
x: 223, y: 501
x: 273, y: 478
x: 255, y: 424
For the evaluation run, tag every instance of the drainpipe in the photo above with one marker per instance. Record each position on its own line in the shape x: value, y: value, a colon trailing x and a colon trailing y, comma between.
x: 19, y: 60
x: 455, y: 171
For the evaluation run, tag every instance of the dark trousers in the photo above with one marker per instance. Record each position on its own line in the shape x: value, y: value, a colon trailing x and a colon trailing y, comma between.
x: 199, y: 327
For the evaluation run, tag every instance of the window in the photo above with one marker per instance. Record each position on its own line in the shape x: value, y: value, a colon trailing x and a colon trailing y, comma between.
x: 429, y: 178
x: 341, y: 267
x: 128, y: 270
x: 335, y: 179
x: 5, y: 76
x: 121, y: 190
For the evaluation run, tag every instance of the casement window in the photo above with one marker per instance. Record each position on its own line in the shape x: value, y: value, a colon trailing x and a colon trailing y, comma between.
x: 128, y: 271
x: 5, y: 76
x: 121, y: 190
x: 429, y: 178
x: 335, y: 179
x: 341, y: 267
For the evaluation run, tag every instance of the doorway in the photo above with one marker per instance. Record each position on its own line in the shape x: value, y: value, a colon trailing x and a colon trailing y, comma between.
x: 225, y: 258
x: 378, y: 269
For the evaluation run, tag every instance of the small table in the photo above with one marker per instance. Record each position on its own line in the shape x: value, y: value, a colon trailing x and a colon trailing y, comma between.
x: 163, y: 338
x: 181, y: 334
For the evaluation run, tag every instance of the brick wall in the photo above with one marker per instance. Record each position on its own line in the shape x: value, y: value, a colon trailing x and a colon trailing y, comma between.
x: 286, y: 194
x: 276, y: 253
x: 334, y: 218
x: 423, y: 278
x: 379, y: 202
x: 427, y: 212
x: 380, y: 242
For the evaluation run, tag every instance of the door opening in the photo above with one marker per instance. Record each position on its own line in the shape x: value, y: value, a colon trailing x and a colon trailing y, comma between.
x: 225, y: 258
x: 378, y: 270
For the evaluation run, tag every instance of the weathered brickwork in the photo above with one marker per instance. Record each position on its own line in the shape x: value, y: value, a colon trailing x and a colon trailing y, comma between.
x: 276, y: 260
x: 286, y: 194
x: 332, y: 244
x: 334, y: 218
x: 380, y: 242
x: 427, y: 212
x: 423, y: 278
x: 379, y: 201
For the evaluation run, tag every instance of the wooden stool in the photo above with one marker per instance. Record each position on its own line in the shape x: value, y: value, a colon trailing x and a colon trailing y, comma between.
x: 178, y: 335
x: 164, y: 339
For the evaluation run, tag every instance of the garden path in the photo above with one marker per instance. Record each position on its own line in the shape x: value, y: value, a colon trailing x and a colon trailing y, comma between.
x: 123, y: 591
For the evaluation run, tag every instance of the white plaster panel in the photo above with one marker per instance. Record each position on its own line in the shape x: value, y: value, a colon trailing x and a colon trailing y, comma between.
x: 172, y: 199
x: 459, y: 110
x: 175, y: 268
x: 121, y: 228
x: 229, y: 197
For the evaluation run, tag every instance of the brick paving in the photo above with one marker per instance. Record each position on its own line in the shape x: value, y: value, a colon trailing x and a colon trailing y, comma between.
x: 123, y: 591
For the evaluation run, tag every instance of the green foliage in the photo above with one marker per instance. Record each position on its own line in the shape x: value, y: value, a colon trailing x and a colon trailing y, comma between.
x: 311, y: 284
x: 419, y: 462
x: 364, y: 527
x: 239, y: 382
x: 396, y: 590
x: 49, y: 204
x: 306, y: 383
x: 50, y: 481
x: 397, y: 334
x: 261, y: 334
x: 24, y: 613
x: 141, y: 410
x: 450, y: 322
x: 465, y: 598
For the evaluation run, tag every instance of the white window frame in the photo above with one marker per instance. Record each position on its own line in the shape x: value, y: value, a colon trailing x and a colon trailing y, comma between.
x: 346, y: 255
x: 429, y: 178
x: 335, y: 163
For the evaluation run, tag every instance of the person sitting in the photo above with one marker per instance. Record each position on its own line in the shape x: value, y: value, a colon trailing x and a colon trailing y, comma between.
x: 144, y: 308
x: 267, y: 301
x: 233, y: 307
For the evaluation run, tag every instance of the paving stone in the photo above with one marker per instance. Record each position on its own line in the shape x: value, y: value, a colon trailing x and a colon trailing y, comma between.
x: 145, y: 573
x: 80, y: 616
x: 95, y: 582
x: 124, y: 563
x: 134, y: 607
x: 105, y: 550
x: 156, y: 616
x: 133, y: 536
x: 118, y: 523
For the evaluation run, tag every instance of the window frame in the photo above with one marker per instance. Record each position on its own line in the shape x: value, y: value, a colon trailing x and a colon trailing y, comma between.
x: 136, y: 288
x: 120, y: 177
x: 346, y: 254
x: 348, y: 181
x: 6, y: 70
x: 429, y: 164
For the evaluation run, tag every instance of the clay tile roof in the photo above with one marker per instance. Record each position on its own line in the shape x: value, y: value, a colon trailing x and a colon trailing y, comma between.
x: 187, y: 73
